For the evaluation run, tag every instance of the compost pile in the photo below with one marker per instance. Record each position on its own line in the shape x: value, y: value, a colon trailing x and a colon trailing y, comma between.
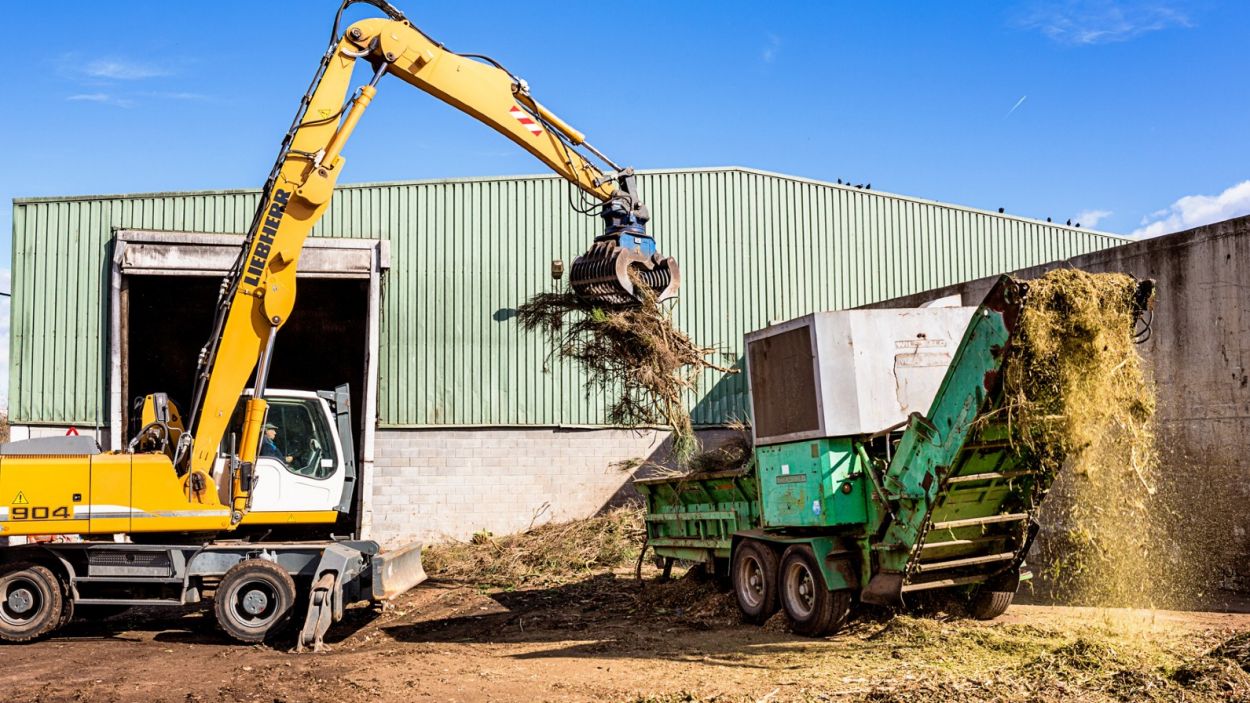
x: 550, y: 554
x: 637, y: 356
x: 1079, y: 401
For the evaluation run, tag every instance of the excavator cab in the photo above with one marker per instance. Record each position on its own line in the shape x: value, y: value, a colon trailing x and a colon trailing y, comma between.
x: 305, y: 472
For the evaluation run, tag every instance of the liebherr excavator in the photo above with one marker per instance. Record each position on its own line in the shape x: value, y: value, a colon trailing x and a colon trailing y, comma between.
x: 176, y: 485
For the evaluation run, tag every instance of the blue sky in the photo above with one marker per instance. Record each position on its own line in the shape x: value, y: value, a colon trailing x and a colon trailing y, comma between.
x: 1129, y: 116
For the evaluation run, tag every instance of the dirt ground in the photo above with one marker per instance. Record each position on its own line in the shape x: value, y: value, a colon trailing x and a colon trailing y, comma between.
x: 610, y: 638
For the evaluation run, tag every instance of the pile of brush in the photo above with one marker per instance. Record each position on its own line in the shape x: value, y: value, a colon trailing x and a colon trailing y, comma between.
x: 551, y: 554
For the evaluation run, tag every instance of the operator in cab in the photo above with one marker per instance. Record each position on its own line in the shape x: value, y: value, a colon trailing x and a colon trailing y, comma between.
x: 269, y: 444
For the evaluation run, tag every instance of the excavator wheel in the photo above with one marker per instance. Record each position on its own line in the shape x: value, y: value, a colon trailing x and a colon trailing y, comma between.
x: 254, y: 600
x: 603, y: 275
x: 31, y: 602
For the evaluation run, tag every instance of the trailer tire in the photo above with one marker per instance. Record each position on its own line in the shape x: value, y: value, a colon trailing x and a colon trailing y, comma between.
x: 987, y: 604
x: 31, y: 602
x: 254, y: 600
x: 813, y: 609
x: 754, y: 578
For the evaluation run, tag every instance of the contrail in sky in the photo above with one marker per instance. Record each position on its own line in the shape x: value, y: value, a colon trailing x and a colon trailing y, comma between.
x: 1018, y: 104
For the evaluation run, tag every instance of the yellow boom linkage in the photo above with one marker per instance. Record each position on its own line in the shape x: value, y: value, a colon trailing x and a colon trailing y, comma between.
x: 172, y: 490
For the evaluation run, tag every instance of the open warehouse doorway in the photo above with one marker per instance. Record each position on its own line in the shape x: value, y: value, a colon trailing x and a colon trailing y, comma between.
x: 165, y: 286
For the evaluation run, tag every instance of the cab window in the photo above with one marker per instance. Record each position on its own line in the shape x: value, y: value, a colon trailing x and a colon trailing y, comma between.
x: 302, y: 439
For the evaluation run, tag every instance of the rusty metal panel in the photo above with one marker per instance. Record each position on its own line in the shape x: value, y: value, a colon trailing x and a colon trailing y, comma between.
x: 783, y: 383
x: 754, y: 247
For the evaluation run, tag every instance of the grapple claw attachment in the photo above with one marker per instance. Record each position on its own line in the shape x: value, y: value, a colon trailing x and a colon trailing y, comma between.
x: 602, y: 275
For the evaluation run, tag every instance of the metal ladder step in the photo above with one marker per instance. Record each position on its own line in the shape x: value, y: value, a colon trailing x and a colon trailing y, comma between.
x: 968, y: 561
x: 962, y: 542
x: 942, y: 583
x: 988, y: 520
x: 989, y: 475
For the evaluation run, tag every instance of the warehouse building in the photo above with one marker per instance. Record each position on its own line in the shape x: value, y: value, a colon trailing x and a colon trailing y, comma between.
x: 408, y: 293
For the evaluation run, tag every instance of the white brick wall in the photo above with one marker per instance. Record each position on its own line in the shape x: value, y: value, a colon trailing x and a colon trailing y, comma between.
x: 432, y: 485
x: 16, y: 432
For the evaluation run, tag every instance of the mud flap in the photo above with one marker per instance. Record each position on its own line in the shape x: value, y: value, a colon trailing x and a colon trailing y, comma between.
x: 884, y: 588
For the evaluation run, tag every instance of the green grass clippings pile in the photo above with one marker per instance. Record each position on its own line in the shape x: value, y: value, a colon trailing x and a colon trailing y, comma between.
x: 1080, y: 403
x: 636, y: 355
x: 551, y: 554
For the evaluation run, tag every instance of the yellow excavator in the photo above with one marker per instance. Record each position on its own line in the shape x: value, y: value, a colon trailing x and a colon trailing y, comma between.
x: 181, y: 490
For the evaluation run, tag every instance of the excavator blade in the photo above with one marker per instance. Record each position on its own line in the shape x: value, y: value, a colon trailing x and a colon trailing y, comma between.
x: 602, y: 275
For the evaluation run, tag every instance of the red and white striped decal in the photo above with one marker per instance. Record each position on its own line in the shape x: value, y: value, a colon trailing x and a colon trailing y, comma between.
x: 524, y: 118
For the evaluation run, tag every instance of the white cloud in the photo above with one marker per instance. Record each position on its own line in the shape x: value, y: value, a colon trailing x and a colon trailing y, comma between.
x: 102, y: 98
x: 1084, y: 22
x: 772, y: 49
x: 1197, y: 210
x: 122, y: 70
x: 1091, y: 218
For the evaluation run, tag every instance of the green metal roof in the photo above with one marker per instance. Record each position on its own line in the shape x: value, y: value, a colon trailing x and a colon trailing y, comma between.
x: 753, y: 246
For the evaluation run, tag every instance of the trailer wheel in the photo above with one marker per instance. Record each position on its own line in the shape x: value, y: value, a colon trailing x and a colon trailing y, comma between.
x: 31, y: 602
x: 754, y: 577
x: 987, y: 604
x: 813, y: 609
x: 254, y: 600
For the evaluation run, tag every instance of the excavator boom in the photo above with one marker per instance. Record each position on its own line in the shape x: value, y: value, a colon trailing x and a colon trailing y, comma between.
x: 258, y: 296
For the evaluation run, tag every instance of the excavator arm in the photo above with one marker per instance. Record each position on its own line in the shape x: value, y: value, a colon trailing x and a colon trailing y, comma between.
x: 258, y: 295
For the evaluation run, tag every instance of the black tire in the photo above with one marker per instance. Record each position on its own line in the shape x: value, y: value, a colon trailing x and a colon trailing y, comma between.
x: 987, y: 604
x: 254, y: 600
x: 754, y: 578
x: 813, y: 609
x: 31, y: 602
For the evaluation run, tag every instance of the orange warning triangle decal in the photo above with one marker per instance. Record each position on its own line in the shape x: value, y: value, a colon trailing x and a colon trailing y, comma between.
x: 20, y: 499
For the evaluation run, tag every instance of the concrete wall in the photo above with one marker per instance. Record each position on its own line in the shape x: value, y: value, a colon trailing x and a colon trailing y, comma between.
x: 16, y: 432
x: 1199, y: 355
x: 440, y: 484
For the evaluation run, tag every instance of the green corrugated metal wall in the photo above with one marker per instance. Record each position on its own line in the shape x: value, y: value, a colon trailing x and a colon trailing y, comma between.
x: 753, y: 246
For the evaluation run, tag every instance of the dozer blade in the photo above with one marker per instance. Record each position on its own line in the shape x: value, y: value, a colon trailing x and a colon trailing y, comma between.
x: 395, y: 572
x: 602, y: 275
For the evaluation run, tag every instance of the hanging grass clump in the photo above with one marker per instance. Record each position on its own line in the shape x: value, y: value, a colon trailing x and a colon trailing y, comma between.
x: 636, y: 356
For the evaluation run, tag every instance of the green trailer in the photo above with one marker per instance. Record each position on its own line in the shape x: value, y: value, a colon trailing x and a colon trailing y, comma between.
x: 830, y: 511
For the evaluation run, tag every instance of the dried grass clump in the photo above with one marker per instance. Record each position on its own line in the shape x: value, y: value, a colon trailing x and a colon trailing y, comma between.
x: 550, y: 554
x: 636, y: 355
x: 730, y: 455
x: 1078, y: 400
